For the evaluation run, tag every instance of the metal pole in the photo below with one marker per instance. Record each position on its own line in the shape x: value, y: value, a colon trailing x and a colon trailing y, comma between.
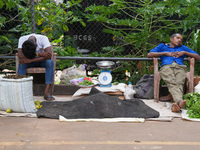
x: 32, y: 16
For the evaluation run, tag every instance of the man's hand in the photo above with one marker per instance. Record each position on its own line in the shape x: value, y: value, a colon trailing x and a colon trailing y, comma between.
x: 46, y: 55
x: 178, y: 54
x: 175, y: 54
x: 25, y: 61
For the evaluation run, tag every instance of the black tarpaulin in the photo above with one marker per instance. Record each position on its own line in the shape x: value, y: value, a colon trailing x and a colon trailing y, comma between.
x: 96, y: 105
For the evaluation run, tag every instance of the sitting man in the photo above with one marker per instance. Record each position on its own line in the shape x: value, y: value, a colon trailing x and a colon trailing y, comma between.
x: 34, y: 50
x: 173, y: 71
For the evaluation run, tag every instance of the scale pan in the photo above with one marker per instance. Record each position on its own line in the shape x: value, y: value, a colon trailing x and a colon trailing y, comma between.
x: 105, y: 64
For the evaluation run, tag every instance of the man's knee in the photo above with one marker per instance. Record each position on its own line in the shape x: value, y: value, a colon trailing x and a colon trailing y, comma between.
x: 22, y: 69
x: 49, y: 63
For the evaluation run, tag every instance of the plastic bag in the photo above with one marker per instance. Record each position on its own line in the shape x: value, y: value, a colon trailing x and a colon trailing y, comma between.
x: 72, y: 73
x: 76, y: 81
x: 197, y: 88
x: 145, y: 87
x: 129, y: 93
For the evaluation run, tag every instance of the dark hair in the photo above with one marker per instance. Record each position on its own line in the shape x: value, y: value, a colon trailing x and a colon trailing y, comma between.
x: 29, y: 48
x: 173, y: 35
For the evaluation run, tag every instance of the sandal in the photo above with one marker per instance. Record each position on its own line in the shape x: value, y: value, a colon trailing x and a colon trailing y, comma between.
x: 166, y: 98
x: 49, y: 98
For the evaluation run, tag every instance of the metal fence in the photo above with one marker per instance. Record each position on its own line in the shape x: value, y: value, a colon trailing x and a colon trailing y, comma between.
x: 93, y: 38
x: 135, y: 69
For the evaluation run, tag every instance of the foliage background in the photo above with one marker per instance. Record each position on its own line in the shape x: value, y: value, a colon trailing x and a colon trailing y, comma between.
x: 134, y: 26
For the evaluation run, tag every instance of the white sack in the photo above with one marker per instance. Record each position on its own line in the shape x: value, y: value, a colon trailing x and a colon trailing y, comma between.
x: 17, y: 94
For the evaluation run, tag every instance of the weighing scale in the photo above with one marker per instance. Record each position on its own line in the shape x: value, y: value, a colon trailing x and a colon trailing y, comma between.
x: 105, y: 77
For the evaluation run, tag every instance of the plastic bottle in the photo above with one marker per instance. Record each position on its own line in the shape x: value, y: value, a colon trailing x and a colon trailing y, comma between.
x: 127, y: 75
x: 130, y: 85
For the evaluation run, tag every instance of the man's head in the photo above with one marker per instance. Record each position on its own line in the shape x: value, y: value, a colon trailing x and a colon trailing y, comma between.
x: 29, y: 47
x: 176, y: 40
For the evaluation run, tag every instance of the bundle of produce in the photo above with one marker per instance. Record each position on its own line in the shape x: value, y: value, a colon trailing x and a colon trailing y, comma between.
x: 192, y: 104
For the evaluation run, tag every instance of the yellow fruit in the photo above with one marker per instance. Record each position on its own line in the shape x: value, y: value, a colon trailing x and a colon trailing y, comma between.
x: 37, y: 103
x: 9, y: 110
x: 38, y: 106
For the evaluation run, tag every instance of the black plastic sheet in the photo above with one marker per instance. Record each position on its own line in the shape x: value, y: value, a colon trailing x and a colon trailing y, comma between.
x: 96, y: 105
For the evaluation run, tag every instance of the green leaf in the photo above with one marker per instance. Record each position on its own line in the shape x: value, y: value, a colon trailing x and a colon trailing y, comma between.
x: 83, y: 23
x: 65, y: 27
x: 4, y: 38
x: 1, y: 3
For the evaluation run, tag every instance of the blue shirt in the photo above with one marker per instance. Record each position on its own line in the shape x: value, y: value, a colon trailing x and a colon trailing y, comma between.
x: 168, y: 60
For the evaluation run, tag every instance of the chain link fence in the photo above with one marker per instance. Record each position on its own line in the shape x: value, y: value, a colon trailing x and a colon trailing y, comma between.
x: 89, y: 41
x: 8, y: 37
x: 90, y: 38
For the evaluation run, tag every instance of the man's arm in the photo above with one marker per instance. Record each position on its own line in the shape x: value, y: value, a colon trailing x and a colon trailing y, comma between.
x: 193, y: 55
x: 23, y: 59
x: 41, y: 56
x: 158, y: 54
x: 20, y: 54
x: 46, y: 54
x: 196, y: 56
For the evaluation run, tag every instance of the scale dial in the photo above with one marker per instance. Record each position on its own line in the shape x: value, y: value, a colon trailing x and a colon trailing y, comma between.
x: 105, y: 78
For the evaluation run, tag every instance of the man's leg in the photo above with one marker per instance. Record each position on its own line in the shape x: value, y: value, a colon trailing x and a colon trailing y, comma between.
x: 180, y: 72
x: 48, y: 64
x: 180, y: 75
x: 22, y: 67
x: 174, y: 76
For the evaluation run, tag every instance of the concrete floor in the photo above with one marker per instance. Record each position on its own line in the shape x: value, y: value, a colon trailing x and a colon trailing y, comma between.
x: 50, y: 134
x: 22, y: 133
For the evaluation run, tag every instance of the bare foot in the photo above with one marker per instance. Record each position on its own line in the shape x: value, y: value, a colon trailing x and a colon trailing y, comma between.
x: 175, y: 108
x: 182, y: 103
x: 166, y: 98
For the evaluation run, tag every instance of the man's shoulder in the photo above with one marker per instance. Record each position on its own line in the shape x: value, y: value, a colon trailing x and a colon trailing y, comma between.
x: 162, y: 45
x: 184, y: 46
x: 41, y: 38
x: 34, y: 34
x: 25, y: 37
